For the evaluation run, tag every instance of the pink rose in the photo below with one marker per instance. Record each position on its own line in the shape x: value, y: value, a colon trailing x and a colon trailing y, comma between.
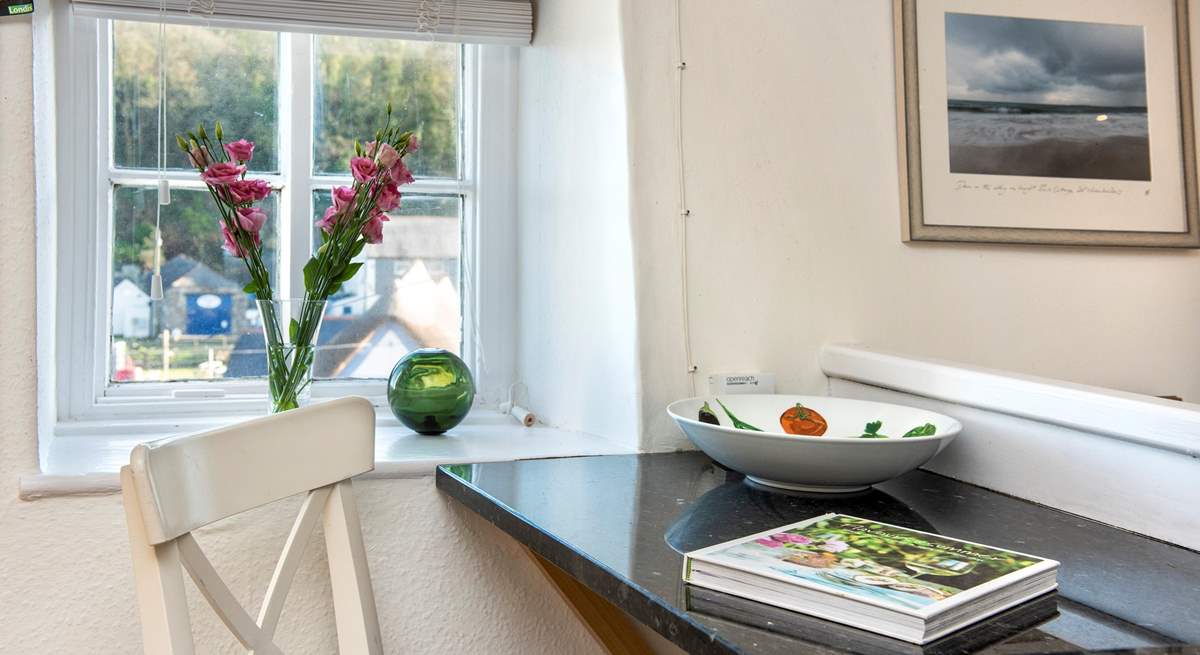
x: 373, y: 228
x: 222, y: 173
x: 400, y: 173
x: 251, y: 219
x: 387, y: 154
x: 231, y: 245
x: 769, y: 543
x: 794, y: 538
x: 199, y: 157
x: 329, y: 220
x: 343, y: 197
x: 388, y: 198
x: 240, y: 150
x: 414, y: 144
x: 363, y: 169
x: 249, y: 190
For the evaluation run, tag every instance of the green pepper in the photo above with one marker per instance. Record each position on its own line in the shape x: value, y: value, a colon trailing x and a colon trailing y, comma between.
x: 707, y: 415
x: 871, y: 431
x: 926, y: 430
x: 737, y: 423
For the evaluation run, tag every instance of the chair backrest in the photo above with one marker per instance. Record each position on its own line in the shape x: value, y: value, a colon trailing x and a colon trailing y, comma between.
x: 174, y: 486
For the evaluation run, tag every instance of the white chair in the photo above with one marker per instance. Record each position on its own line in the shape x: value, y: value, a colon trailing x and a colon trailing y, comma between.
x: 174, y: 486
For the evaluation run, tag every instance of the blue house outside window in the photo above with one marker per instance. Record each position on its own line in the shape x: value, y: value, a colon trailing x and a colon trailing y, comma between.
x: 209, y: 313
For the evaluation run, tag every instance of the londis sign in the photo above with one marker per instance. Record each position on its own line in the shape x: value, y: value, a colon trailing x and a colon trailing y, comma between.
x: 15, y: 8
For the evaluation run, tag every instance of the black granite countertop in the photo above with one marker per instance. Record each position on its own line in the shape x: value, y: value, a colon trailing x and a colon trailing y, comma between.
x: 620, y: 523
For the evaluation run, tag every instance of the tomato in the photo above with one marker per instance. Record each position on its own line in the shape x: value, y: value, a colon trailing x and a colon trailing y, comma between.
x: 804, y: 421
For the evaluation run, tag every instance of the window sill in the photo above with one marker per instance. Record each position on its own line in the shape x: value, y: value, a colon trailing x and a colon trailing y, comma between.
x: 89, y: 465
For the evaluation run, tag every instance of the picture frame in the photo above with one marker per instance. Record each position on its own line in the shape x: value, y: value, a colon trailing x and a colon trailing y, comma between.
x: 988, y: 155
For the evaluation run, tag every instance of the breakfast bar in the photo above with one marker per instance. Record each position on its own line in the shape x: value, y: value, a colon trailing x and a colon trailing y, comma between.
x: 610, y: 532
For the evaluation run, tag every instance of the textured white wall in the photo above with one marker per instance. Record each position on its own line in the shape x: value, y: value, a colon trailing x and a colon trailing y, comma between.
x: 794, y: 235
x: 577, y: 354
x: 445, y: 580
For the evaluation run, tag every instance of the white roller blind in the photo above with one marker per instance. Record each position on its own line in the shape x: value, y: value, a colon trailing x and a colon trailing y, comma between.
x: 466, y: 21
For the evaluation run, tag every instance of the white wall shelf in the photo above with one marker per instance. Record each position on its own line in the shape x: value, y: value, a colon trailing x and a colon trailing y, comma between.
x: 1166, y: 424
x: 1127, y: 460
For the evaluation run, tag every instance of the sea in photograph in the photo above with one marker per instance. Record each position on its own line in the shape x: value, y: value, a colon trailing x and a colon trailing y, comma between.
x: 1046, y: 98
x: 1071, y: 141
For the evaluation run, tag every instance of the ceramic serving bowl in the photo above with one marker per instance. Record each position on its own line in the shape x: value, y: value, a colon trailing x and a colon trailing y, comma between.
x: 839, y: 461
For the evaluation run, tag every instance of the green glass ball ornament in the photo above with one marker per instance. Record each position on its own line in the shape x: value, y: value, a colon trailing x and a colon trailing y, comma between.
x: 430, y: 390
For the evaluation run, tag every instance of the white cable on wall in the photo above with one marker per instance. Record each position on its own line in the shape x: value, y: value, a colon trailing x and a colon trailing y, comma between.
x: 684, y: 212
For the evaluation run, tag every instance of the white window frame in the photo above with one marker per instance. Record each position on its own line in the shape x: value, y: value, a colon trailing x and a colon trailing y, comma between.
x: 80, y: 247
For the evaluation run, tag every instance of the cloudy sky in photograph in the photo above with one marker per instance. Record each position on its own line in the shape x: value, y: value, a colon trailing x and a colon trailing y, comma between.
x: 1044, y: 61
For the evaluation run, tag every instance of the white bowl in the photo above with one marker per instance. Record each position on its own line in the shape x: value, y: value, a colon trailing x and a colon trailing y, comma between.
x: 837, y: 462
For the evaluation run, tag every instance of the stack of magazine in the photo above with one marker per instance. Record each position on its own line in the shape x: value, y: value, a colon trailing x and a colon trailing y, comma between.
x: 898, y: 582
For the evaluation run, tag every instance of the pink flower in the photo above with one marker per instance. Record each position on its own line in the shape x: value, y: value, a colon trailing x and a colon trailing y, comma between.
x: 388, y: 198
x: 792, y: 538
x: 373, y: 228
x: 343, y: 197
x: 249, y: 190
x: 251, y: 219
x: 240, y: 150
x: 329, y: 220
x: 769, y: 543
x: 199, y: 157
x: 222, y: 173
x: 387, y: 154
x: 414, y: 144
x: 363, y: 169
x: 400, y: 173
x: 231, y: 245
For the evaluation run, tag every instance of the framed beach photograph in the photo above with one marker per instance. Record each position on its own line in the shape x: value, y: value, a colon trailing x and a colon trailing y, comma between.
x: 1066, y: 122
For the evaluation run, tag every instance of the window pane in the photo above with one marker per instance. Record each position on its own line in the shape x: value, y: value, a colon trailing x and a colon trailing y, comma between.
x: 354, y: 80
x: 212, y: 74
x: 405, y: 297
x: 203, y: 311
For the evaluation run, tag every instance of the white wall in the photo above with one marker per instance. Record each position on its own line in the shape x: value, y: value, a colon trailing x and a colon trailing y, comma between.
x: 577, y: 355
x: 794, y: 235
x: 444, y: 579
x: 794, y: 241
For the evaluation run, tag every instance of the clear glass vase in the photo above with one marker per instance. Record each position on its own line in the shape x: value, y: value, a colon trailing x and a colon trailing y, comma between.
x: 290, y: 328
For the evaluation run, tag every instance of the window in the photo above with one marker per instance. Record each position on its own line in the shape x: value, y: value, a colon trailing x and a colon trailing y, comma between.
x: 303, y: 99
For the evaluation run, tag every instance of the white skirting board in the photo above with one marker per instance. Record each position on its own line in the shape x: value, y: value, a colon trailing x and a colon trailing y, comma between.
x: 1154, y: 422
x: 1148, y: 489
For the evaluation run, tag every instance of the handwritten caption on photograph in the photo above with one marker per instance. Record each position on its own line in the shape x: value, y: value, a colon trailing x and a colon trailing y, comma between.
x: 1047, y: 188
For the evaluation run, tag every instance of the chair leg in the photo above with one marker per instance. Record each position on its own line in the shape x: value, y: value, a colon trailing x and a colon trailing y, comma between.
x: 158, y: 577
x: 353, y: 598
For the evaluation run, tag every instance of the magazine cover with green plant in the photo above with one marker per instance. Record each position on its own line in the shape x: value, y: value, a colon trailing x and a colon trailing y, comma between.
x: 876, y: 560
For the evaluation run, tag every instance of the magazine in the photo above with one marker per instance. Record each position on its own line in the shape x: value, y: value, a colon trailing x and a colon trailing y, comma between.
x: 906, y: 583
